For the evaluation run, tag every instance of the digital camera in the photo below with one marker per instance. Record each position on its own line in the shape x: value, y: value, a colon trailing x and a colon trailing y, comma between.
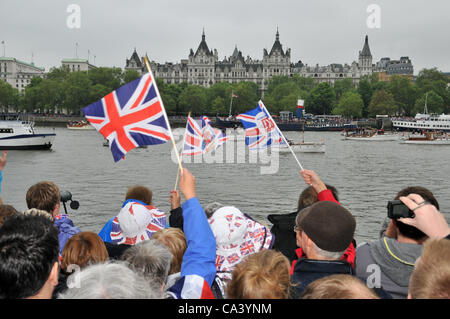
x: 396, y: 209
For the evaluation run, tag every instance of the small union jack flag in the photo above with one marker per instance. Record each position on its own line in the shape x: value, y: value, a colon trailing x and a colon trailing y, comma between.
x: 130, y: 116
x: 200, y: 137
x: 247, y: 248
x: 233, y: 258
x: 260, y: 130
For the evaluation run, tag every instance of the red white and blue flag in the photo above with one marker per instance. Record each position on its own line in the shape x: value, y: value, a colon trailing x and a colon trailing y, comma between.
x: 131, y: 116
x: 200, y: 137
x: 260, y: 130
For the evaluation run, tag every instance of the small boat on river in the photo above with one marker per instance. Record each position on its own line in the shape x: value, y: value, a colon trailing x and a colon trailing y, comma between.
x: 428, y: 138
x: 370, y: 135
x: 80, y: 125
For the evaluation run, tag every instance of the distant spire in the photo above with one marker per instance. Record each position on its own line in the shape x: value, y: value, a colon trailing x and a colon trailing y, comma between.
x: 366, y: 50
x: 203, y: 34
x: 277, y: 35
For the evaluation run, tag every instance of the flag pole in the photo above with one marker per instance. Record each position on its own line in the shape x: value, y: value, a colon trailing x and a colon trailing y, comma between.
x: 180, y: 167
x: 184, y: 138
x: 282, y: 136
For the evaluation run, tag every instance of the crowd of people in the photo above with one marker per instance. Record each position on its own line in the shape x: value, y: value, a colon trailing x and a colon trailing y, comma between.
x: 215, y: 251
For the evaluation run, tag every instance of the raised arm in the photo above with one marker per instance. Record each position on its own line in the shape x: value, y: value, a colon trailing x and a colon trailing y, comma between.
x: 311, y: 178
x: 200, y: 255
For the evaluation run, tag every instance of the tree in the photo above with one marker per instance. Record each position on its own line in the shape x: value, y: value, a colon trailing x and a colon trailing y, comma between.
x: 343, y: 86
x: 382, y: 103
x: 282, y: 98
x: 404, y: 93
x: 247, y: 93
x: 435, y: 103
x: 8, y: 96
x: 350, y: 105
x: 77, y: 91
x: 321, y: 100
x: 218, y: 106
x: 108, y: 77
x: 130, y: 75
x: 365, y: 91
x: 434, y: 80
x: 193, y: 98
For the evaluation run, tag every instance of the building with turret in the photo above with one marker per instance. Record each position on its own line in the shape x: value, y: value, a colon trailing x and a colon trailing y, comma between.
x: 203, y: 67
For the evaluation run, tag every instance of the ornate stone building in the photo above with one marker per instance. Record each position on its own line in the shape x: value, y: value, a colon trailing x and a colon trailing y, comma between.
x: 204, y: 68
x: 18, y: 73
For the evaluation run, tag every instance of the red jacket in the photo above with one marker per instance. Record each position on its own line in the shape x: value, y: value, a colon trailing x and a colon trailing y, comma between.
x: 349, y: 254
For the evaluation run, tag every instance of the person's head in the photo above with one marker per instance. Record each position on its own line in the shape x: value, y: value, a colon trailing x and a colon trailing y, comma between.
x: 5, y: 212
x: 211, y: 208
x: 324, y: 230
x: 407, y: 230
x: 140, y: 193
x: 29, y: 251
x: 151, y: 259
x: 237, y: 236
x: 338, y: 287
x: 264, y: 275
x: 109, y: 281
x: 431, y: 276
x: 309, y: 196
x: 175, y: 240
x: 44, y: 196
x: 83, y: 249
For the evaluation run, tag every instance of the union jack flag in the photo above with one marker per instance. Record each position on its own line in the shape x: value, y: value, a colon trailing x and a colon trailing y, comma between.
x: 260, y: 130
x: 233, y: 258
x: 130, y: 116
x: 200, y: 137
x: 247, y: 248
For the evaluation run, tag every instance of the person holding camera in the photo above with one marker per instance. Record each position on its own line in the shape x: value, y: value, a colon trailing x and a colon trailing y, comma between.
x: 47, y: 196
x: 389, y: 261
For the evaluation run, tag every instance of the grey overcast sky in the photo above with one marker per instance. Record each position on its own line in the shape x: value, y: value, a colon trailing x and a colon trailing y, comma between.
x: 317, y: 31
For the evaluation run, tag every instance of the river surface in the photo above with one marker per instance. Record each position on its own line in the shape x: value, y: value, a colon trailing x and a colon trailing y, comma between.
x: 366, y: 174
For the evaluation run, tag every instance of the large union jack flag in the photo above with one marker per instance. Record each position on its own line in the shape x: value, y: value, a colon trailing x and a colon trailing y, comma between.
x: 130, y: 116
x: 260, y: 130
x: 200, y: 137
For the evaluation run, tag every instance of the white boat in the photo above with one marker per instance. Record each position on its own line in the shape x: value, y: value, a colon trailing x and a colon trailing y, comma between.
x: 429, y: 138
x: 20, y: 135
x: 82, y: 125
x: 424, y: 122
x: 304, y: 147
x: 371, y: 135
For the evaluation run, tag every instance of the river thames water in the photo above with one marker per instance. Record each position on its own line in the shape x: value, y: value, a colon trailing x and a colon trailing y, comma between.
x: 366, y: 174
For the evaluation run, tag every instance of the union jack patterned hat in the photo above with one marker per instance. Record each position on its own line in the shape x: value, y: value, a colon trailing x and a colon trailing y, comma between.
x: 237, y: 236
x: 136, y: 222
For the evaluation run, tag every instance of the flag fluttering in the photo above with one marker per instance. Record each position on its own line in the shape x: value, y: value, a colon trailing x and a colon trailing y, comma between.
x: 300, y: 104
x: 131, y: 116
x: 260, y: 129
x: 200, y: 137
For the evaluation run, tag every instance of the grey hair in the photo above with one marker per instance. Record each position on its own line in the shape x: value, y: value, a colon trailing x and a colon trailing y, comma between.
x: 328, y: 254
x: 151, y: 259
x: 211, y: 208
x: 109, y: 281
x: 38, y: 212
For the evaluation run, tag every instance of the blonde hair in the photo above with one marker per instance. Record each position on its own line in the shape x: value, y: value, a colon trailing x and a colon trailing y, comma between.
x: 264, y: 275
x: 175, y: 240
x: 83, y: 249
x: 431, y: 276
x: 338, y: 287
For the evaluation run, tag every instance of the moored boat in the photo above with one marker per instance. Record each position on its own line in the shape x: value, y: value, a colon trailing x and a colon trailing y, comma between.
x: 371, y: 135
x: 304, y: 147
x: 20, y: 135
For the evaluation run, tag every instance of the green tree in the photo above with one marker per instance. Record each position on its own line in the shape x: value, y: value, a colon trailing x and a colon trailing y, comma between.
x: 435, y: 103
x: 247, y: 93
x: 218, y: 106
x: 8, y: 96
x: 130, y: 75
x: 404, y: 93
x: 108, y: 77
x: 365, y: 91
x: 382, y: 103
x: 434, y: 80
x: 321, y: 100
x: 343, y: 86
x: 77, y: 93
x: 350, y: 105
x: 193, y: 99
x: 98, y: 91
